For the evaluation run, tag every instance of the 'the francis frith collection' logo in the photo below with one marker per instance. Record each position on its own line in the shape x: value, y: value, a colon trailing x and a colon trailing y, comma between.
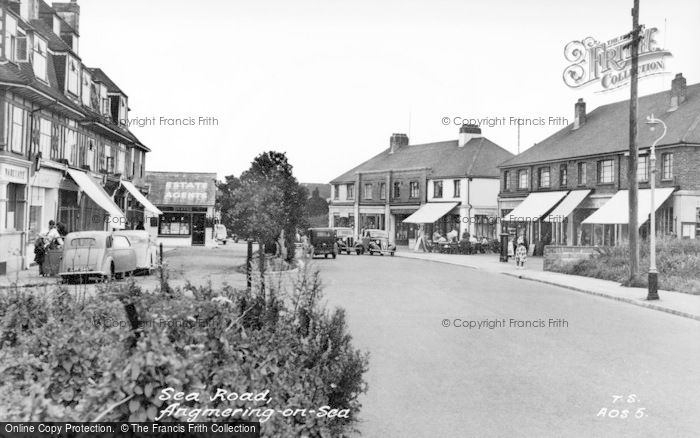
x: 609, y: 63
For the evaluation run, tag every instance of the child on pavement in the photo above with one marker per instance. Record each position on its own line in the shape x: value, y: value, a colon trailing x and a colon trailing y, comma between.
x: 520, y: 254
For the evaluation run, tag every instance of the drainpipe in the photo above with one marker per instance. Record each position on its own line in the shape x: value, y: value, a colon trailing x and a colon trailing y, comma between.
x: 469, y: 206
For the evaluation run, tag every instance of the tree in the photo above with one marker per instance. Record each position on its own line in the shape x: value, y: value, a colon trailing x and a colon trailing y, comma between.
x: 266, y: 200
x: 316, y: 205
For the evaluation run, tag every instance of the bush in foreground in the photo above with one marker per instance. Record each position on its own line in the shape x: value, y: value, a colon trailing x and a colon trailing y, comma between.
x: 678, y: 263
x: 79, y: 360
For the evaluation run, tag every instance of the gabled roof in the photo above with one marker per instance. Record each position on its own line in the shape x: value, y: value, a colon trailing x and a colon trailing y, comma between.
x: 99, y: 76
x: 478, y: 158
x: 607, y: 129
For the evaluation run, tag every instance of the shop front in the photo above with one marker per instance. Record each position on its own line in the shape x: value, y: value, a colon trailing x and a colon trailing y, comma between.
x: 186, y: 203
x: 14, y: 178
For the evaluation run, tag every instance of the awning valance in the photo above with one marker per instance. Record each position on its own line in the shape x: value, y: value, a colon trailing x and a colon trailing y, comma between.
x: 565, y: 207
x: 101, y: 198
x: 430, y: 212
x: 616, y: 210
x: 534, y: 206
x: 136, y: 193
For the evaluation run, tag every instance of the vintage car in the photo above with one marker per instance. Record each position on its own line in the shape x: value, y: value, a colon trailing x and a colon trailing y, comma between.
x: 374, y: 241
x: 96, y: 254
x: 346, y: 240
x: 145, y: 247
x: 322, y: 241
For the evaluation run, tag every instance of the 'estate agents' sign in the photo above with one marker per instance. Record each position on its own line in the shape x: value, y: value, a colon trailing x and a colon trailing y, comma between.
x: 609, y: 63
x: 185, y: 192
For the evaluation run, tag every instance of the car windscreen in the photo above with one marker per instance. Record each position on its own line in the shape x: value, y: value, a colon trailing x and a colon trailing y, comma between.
x: 83, y: 242
x: 377, y: 234
x: 323, y: 234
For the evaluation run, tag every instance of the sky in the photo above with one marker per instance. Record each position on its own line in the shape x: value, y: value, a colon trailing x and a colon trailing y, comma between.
x: 329, y: 81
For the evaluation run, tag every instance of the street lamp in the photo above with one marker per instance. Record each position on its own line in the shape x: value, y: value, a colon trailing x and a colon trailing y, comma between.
x: 653, y: 288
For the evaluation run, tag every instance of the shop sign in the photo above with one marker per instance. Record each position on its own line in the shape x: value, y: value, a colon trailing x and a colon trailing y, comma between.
x: 182, y: 192
x: 608, y: 64
x: 14, y: 174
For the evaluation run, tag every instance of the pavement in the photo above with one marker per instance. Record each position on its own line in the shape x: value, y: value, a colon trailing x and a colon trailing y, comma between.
x: 432, y: 376
x: 676, y: 303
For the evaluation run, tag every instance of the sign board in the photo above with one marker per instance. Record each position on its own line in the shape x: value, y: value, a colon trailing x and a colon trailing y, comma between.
x: 608, y: 64
x: 14, y: 174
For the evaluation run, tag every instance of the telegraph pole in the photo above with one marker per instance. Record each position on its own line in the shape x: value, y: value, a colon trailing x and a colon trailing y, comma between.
x: 633, y: 159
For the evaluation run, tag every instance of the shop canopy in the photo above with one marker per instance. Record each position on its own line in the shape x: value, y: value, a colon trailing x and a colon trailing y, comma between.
x: 565, y: 207
x: 101, y: 198
x: 534, y: 206
x: 136, y: 193
x: 430, y: 212
x: 616, y: 210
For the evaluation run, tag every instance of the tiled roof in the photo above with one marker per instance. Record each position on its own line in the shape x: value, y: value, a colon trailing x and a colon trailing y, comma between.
x: 478, y: 158
x: 99, y: 76
x: 56, y: 43
x: 607, y: 129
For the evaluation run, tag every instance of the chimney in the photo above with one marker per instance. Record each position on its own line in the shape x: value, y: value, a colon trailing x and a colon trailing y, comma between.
x: 579, y: 113
x: 467, y: 132
x: 678, y: 91
x: 397, y: 141
x: 70, y: 12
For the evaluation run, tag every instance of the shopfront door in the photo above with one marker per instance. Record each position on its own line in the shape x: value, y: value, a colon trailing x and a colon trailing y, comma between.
x: 198, y: 222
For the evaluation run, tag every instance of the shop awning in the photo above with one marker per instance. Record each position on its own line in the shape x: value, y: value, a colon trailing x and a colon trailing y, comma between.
x: 534, y: 206
x: 565, y: 207
x: 616, y: 210
x: 136, y: 193
x: 101, y: 198
x: 430, y: 212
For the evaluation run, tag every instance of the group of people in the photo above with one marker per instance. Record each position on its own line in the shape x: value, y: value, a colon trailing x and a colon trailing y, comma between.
x: 517, y: 248
x: 475, y: 244
x: 52, y: 239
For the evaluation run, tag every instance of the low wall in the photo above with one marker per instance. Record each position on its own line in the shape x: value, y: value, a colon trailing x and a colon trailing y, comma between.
x: 566, y: 254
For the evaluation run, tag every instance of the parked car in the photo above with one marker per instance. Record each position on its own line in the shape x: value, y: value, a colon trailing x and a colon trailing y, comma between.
x: 374, y: 241
x: 322, y: 241
x: 97, y: 254
x: 346, y: 240
x: 220, y: 233
x: 145, y: 247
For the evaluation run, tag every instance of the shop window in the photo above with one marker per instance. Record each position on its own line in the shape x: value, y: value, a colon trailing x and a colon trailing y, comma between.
x: 667, y: 166
x: 175, y: 224
x: 414, y: 190
x: 437, y: 189
x: 14, y: 216
x: 457, y: 188
x: 605, y: 172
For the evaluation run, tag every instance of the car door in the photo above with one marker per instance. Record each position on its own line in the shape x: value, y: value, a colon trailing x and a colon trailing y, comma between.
x: 124, y: 255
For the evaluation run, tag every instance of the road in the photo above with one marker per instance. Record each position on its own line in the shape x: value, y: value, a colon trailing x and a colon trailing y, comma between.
x: 427, y: 380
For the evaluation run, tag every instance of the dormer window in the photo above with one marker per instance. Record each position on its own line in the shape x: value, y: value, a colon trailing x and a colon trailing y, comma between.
x: 73, y: 78
x: 39, y: 61
x: 86, y: 89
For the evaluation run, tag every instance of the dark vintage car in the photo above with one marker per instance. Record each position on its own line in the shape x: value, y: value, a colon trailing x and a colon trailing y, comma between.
x: 374, y: 241
x: 346, y: 240
x: 322, y: 241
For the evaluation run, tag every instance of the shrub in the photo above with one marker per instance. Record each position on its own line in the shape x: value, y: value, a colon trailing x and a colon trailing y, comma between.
x: 68, y: 361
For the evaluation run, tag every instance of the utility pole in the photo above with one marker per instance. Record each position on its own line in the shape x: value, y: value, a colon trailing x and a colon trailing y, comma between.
x: 633, y: 159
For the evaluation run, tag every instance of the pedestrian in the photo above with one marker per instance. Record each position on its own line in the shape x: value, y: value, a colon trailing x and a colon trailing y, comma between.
x: 521, y: 254
x: 40, y: 253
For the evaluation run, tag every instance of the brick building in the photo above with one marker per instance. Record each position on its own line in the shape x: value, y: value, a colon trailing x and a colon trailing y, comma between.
x: 571, y: 188
x: 443, y: 185
x: 66, y: 153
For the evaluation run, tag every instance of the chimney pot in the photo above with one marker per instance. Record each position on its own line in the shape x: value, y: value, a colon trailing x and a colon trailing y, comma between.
x: 579, y: 113
x: 678, y: 91
x: 397, y: 141
x: 468, y: 132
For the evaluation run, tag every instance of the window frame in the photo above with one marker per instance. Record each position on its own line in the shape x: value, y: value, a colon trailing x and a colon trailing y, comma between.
x: 350, y: 192
x: 382, y: 191
x: 523, y: 173
x: 40, y: 52
x: 367, y: 192
x: 582, y: 173
x: 456, y: 188
x: 541, y: 172
x: 396, y: 189
x: 563, y: 175
x: 644, y: 177
x: 438, y: 189
x: 664, y: 175
x: 414, y: 190
x: 602, y: 166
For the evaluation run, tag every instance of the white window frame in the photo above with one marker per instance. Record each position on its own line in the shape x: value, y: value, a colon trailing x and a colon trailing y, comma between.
x: 643, y: 168
x: 40, y: 58
x: 667, y: 156
x: 73, y: 84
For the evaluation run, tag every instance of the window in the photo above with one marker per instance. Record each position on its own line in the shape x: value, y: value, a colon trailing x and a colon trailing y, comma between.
x: 122, y: 164
x: 350, y: 191
x: 14, y: 217
x: 87, y: 89
x: 336, y: 191
x: 581, y: 174
x: 666, y: 223
x: 107, y: 160
x: 104, y: 100
x: 506, y: 181
x: 397, y: 189
x: 45, y: 138
x: 414, y: 190
x: 543, y: 176
x: 120, y: 242
x: 457, y: 188
x: 643, y: 169
x: 20, y: 52
x: 522, y: 179
x: 368, y: 191
x: 667, y: 166
x: 605, y: 172
x: 437, y: 189
x: 382, y: 191
x: 175, y: 224
x: 15, y: 133
x: 39, y: 61
x: 73, y: 79
x: 563, y: 175
x: 70, y: 150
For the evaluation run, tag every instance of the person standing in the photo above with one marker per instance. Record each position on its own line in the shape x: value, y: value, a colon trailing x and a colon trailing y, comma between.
x: 521, y: 254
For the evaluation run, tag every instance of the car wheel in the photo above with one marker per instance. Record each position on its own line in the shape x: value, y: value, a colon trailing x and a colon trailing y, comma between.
x: 358, y: 252
x: 334, y: 255
x: 392, y: 253
x: 325, y: 256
